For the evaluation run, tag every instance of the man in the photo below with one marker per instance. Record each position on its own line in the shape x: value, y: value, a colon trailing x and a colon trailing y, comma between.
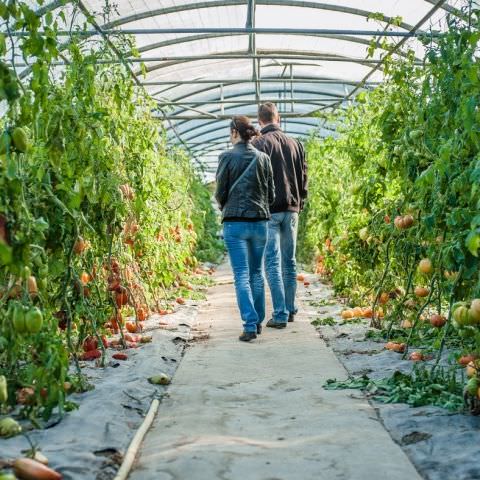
x: 290, y: 176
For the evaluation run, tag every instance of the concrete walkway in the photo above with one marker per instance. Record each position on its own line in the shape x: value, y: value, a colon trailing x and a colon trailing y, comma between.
x: 258, y: 411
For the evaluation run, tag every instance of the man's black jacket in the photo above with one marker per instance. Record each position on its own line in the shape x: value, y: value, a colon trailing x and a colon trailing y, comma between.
x: 289, y: 168
x: 252, y: 196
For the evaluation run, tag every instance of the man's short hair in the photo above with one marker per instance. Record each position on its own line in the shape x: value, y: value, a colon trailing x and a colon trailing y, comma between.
x: 267, y: 112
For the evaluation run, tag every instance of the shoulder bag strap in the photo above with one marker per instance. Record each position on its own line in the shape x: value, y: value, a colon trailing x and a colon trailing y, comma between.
x: 237, y: 181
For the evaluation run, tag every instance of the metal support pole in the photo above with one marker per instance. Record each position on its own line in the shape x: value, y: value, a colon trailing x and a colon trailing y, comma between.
x: 171, y: 61
x: 284, y: 101
x: 243, y: 31
x: 291, y: 86
x: 232, y: 81
x: 258, y: 84
x: 252, y: 47
x: 222, y: 104
x: 313, y: 114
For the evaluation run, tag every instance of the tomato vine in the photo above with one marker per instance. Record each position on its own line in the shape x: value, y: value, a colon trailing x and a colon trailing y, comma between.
x: 98, y: 212
x: 407, y: 159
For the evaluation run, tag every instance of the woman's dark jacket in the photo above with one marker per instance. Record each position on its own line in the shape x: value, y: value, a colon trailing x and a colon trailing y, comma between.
x: 252, y: 196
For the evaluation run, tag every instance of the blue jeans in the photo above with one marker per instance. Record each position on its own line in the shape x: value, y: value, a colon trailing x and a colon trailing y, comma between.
x: 245, y: 243
x: 281, y: 265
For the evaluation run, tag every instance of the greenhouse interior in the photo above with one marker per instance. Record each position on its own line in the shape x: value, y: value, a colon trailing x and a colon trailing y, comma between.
x: 239, y: 240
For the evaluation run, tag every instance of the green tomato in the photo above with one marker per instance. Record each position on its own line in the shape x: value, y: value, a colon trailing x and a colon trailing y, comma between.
x: 3, y: 389
x: 42, y: 283
x: 461, y: 316
x: 20, y: 139
x: 26, y: 272
x: 43, y: 271
x: 472, y: 386
x: 34, y: 320
x: 18, y: 319
x: 9, y: 427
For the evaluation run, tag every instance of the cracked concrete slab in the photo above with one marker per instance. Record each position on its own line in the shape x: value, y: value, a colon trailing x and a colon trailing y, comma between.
x: 237, y: 411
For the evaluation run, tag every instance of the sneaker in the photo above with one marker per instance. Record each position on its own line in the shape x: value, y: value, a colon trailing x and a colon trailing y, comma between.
x: 247, y: 336
x: 259, y: 329
x: 273, y: 324
x: 291, y: 317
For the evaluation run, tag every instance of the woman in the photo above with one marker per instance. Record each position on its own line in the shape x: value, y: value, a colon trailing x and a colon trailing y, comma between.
x: 245, y: 191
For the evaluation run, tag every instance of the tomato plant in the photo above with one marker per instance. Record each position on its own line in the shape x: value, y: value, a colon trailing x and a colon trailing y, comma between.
x: 97, y: 212
x: 398, y: 188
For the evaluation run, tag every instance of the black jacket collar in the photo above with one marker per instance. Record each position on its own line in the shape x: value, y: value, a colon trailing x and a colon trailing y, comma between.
x: 273, y: 127
x: 243, y: 146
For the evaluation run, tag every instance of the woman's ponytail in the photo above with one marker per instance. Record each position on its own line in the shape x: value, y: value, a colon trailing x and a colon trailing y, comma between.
x: 244, y: 128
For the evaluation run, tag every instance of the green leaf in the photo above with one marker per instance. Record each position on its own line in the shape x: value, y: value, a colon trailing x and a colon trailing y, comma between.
x: 6, y: 255
x: 3, y: 47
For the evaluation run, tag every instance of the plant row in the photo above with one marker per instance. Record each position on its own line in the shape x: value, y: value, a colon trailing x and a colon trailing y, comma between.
x: 393, y: 214
x: 99, y: 216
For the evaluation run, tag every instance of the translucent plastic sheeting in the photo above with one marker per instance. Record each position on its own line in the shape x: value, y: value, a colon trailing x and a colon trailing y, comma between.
x: 202, y: 78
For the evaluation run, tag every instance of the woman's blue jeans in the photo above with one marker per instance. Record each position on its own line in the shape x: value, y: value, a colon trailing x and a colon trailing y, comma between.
x: 245, y: 243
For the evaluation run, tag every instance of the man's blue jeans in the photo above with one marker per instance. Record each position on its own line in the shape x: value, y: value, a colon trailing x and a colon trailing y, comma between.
x: 245, y: 243
x: 281, y: 265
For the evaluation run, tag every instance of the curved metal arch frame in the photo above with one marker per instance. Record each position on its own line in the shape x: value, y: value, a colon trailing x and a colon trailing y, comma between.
x: 195, y: 38
x: 219, y: 3
x: 222, y: 3
x: 218, y: 147
x: 250, y: 92
x: 220, y: 120
x: 310, y: 56
x: 207, y: 124
x: 216, y: 85
x: 270, y: 90
x: 291, y: 3
x: 209, y: 36
x: 180, y: 123
x: 211, y: 130
x: 238, y: 3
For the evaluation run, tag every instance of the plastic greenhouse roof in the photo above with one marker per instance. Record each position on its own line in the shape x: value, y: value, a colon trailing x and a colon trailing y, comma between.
x: 207, y: 60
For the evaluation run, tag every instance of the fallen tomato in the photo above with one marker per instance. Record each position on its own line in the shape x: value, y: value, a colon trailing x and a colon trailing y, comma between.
x: 90, y: 355
x: 120, y: 356
x: 132, y: 327
x: 28, y: 469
